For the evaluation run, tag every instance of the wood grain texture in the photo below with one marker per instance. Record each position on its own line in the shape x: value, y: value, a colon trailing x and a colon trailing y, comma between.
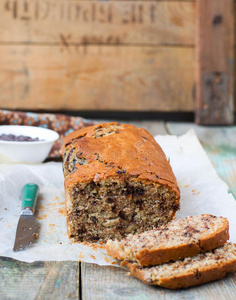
x: 97, y: 22
x: 38, y: 280
x: 114, y: 283
x: 220, y: 146
x: 96, y: 78
x: 215, y: 62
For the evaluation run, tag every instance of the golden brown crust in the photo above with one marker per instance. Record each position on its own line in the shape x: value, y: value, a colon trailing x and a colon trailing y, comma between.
x: 152, y: 257
x: 131, y: 149
x: 156, y: 256
x: 184, y: 279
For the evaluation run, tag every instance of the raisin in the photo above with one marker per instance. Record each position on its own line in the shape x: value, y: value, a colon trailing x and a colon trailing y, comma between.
x: 121, y: 171
x: 188, y: 234
x: 197, y: 274
x: 122, y: 215
x: 82, y: 230
x: 77, y: 211
x: 93, y: 219
x: 139, y: 192
x: 175, y: 206
x: 128, y: 191
x: 79, y: 155
x: 110, y: 200
x: 70, y: 153
x: 139, y: 202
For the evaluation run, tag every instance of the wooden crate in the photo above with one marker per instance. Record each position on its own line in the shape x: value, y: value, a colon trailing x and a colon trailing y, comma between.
x: 114, y: 55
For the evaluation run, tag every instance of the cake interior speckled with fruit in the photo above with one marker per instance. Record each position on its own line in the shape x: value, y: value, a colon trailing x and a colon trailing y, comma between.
x: 117, y: 181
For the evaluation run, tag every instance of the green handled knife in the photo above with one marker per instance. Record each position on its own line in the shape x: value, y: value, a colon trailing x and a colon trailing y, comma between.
x: 27, y: 228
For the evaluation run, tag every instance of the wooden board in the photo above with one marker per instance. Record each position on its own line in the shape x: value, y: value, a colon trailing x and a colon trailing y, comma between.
x: 113, y: 283
x: 99, y: 22
x: 214, y: 62
x: 96, y: 78
x: 39, y: 280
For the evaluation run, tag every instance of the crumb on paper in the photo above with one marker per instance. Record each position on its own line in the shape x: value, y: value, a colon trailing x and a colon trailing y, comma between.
x: 62, y: 212
x: 5, y: 208
x: 195, y: 192
x: 108, y: 260
x: 81, y: 255
x: 42, y: 217
x: 95, y: 247
x: 183, y: 185
x: 92, y: 256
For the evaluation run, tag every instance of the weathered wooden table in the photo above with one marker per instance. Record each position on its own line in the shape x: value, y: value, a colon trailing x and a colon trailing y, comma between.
x: 75, y: 280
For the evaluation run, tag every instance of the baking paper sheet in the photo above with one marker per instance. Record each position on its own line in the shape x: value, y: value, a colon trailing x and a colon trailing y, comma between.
x: 202, y: 191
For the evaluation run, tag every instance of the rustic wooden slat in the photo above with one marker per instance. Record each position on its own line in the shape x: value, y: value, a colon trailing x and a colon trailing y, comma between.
x: 114, y: 283
x: 220, y: 146
x: 215, y: 61
x: 97, y: 78
x: 100, y: 22
x: 38, y: 280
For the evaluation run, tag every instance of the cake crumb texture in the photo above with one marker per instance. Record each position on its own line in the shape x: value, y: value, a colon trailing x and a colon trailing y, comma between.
x: 117, y: 181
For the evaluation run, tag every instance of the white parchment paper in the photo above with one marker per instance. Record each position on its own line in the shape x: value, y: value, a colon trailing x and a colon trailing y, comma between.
x: 202, y: 191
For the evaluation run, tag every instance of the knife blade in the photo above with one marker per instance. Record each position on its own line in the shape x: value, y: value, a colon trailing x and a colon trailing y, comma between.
x: 27, y: 228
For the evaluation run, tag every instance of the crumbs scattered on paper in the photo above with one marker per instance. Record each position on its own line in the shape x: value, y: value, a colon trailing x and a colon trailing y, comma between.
x: 42, y: 217
x: 195, y: 192
x: 62, y: 212
x: 93, y: 246
x: 109, y: 261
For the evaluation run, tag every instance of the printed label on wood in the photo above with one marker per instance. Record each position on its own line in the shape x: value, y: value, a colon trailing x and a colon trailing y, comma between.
x: 105, y: 22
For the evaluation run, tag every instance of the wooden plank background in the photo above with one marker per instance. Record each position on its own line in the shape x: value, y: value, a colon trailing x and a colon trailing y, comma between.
x: 214, y: 62
x: 97, y: 55
x: 96, y: 77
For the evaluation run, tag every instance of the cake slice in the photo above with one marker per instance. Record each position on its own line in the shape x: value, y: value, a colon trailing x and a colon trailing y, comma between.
x: 176, y: 240
x: 191, y: 271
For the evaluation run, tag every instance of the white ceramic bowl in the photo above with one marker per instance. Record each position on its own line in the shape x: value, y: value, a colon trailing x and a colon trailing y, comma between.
x: 26, y: 152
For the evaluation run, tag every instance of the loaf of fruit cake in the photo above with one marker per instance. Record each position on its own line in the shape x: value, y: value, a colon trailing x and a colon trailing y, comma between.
x: 117, y: 181
x: 175, y: 240
x: 191, y: 271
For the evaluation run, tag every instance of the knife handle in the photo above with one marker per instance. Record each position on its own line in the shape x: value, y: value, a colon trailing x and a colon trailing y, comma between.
x: 29, y: 198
